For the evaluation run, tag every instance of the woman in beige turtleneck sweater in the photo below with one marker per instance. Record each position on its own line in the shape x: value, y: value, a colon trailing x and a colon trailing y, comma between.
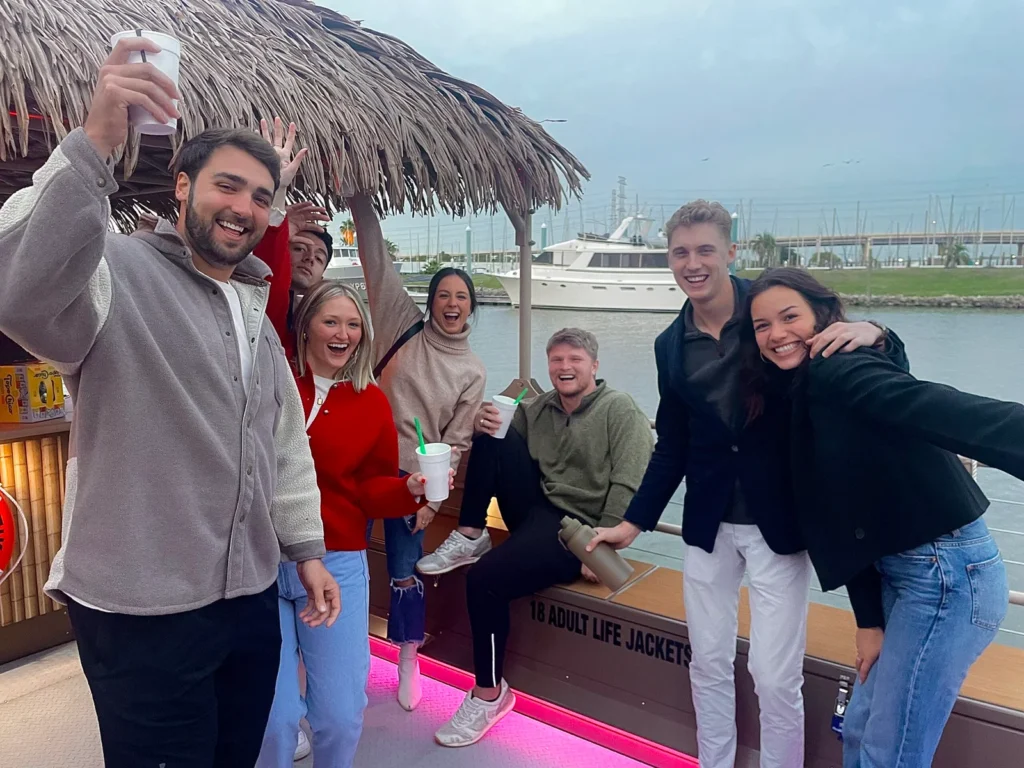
x: 435, y: 377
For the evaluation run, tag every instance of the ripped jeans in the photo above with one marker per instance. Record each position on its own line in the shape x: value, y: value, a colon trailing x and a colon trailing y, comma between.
x: 407, y: 615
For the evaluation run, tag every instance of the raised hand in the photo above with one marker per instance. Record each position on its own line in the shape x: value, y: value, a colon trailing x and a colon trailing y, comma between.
x: 284, y: 143
x: 306, y: 217
x: 122, y: 85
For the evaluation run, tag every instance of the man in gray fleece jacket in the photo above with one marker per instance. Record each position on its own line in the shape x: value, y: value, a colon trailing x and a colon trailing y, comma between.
x: 189, y: 470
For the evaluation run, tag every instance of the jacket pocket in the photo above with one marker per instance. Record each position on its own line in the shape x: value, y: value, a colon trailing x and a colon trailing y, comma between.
x: 990, y: 592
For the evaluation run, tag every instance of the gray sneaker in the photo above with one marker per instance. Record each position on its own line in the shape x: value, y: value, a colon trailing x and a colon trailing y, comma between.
x: 304, y: 747
x: 455, y: 551
x: 475, y: 718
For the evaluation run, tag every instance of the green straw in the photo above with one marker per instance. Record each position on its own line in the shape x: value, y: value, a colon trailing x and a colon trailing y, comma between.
x: 419, y: 434
x: 521, y: 395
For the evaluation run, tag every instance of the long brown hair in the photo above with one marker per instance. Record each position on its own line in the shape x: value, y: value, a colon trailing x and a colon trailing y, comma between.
x: 760, y: 378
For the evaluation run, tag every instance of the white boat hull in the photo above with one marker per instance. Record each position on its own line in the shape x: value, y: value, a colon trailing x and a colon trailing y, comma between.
x: 608, y: 292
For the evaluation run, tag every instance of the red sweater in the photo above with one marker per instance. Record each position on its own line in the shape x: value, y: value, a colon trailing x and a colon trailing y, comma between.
x: 274, y: 252
x: 355, y: 452
x: 353, y: 438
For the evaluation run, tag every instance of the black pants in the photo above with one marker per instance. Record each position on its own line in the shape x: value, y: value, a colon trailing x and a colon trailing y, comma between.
x: 531, y: 559
x: 186, y: 690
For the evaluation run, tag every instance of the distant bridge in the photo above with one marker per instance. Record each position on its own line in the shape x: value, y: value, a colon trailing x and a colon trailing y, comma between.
x: 867, y: 240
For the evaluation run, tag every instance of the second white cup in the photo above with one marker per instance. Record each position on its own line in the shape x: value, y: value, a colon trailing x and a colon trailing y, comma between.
x: 167, y: 61
x: 506, y: 410
x: 434, y: 464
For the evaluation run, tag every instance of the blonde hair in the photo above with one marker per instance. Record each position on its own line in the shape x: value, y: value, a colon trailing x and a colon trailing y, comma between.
x: 577, y: 338
x: 701, y: 212
x: 359, y: 368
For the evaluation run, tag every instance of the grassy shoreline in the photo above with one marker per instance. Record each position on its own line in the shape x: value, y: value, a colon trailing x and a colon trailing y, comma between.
x: 917, y: 282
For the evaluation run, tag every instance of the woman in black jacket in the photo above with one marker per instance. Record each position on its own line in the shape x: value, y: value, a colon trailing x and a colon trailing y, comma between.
x: 887, y: 510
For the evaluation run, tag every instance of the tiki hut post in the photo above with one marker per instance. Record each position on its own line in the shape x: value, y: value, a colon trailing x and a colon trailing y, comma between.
x: 522, y: 223
x: 524, y: 237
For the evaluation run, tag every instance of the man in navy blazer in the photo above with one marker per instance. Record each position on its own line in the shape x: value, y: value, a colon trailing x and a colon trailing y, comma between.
x: 738, y: 512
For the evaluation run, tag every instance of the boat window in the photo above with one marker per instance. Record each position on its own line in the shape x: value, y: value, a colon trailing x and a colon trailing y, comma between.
x: 654, y: 261
x: 606, y: 260
x: 547, y: 257
x: 631, y: 260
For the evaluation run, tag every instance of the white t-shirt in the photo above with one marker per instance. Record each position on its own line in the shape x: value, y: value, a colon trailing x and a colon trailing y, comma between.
x: 323, y: 386
x: 241, y: 334
x: 245, y: 354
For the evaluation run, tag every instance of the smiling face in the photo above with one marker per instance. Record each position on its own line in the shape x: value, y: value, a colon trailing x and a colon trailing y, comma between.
x: 309, y: 260
x: 572, y: 370
x: 452, y: 305
x: 226, y: 208
x: 783, y: 322
x: 699, y: 257
x: 334, y: 337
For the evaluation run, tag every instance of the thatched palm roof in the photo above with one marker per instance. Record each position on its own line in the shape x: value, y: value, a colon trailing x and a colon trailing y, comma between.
x: 370, y: 108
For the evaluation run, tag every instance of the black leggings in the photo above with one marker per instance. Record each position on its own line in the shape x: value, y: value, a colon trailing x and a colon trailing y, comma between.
x: 531, y: 559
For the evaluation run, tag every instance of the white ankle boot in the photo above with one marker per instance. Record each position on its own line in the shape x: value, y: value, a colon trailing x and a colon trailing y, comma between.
x: 410, y: 689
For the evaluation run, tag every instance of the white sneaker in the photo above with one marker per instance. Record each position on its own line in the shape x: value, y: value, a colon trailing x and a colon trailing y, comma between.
x: 410, y: 687
x: 304, y: 748
x: 455, y: 551
x: 475, y: 718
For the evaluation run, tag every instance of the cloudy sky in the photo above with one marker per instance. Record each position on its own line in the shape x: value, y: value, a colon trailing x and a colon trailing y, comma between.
x: 920, y: 97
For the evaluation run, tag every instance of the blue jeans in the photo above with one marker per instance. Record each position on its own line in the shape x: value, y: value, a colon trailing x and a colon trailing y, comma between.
x: 943, y: 603
x: 407, y: 617
x: 337, y: 664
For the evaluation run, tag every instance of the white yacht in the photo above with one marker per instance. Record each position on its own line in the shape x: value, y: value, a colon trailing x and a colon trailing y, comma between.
x: 621, y: 272
x: 346, y: 268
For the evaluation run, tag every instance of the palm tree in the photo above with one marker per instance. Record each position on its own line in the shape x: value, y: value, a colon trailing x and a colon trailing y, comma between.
x: 766, y: 248
x: 954, y: 254
x: 392, y: 248
x: 348, y: 232
x: 789, y: 257
x: 826, y: 259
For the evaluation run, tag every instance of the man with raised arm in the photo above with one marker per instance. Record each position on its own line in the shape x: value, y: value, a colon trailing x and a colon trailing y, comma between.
x: 189, y: 472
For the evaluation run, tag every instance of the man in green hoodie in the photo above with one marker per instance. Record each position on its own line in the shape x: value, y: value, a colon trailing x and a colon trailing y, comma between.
x: 579, y: 450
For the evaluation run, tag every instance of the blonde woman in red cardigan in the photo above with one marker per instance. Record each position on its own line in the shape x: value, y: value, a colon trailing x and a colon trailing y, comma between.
x: 354, y: 443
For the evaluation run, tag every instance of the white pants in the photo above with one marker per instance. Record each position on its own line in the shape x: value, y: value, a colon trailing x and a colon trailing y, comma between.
x: 779, y: 593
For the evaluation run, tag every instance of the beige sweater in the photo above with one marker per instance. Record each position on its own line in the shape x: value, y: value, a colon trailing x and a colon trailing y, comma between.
x: 434, y: 376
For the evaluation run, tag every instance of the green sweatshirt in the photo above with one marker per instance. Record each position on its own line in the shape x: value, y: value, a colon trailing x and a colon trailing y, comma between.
x: 592, y: 460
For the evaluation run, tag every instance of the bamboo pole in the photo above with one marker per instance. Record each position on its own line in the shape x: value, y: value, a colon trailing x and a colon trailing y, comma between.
x: 37, y: 501
x: 15, y: 580
x: 62, y: 460
x: 28, y: 562
x: 52, y: 491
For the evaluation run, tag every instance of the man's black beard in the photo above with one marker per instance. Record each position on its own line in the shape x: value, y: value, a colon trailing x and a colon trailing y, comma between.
x: 200, y: 235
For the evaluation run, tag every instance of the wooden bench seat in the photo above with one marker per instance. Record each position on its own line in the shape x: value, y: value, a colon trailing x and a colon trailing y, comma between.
x: 994, y: 679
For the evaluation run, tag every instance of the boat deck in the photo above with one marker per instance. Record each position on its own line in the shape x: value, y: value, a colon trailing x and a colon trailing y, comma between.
x: 47, y: 721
